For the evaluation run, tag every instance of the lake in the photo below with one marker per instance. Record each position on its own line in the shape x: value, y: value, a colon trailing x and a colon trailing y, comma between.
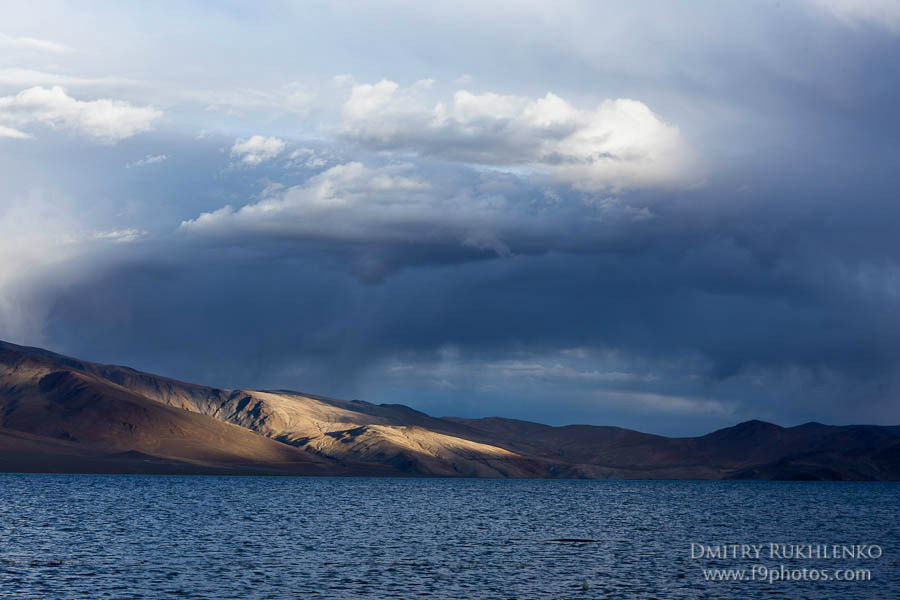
x: 123, y: 536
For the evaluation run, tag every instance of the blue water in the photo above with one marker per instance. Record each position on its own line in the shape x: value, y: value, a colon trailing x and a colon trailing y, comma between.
x: 86, y: 536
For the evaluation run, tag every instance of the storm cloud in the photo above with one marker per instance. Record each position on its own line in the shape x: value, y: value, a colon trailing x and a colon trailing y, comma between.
x: 620, y: 214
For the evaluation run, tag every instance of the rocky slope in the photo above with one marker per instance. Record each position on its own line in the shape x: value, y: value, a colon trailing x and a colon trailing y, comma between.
x: 62, y: 414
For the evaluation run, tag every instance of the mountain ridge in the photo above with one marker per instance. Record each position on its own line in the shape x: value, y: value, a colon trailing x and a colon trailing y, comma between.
x: 63, y: 413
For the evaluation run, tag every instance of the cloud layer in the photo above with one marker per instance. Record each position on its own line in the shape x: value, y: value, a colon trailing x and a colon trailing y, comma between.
x: 106, y: 121
x: 640, y: 214
x: 30, y: 43
x: 619, y: 144
x: 257, y: 149
x: 881, y: 13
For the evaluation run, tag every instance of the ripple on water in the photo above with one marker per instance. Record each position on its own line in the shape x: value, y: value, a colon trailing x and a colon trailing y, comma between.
x: 76, y: 536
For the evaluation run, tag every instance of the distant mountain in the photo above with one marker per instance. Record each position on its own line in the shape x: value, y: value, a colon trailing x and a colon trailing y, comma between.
x: 60, y: 414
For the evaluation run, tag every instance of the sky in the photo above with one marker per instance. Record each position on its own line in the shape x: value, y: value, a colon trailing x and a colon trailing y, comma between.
x: 671, y: 217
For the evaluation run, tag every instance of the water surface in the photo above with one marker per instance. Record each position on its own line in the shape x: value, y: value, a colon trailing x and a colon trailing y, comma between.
x: 122, y: 536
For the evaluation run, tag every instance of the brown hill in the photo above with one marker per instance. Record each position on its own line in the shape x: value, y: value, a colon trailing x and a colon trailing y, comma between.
x: 62, y: 414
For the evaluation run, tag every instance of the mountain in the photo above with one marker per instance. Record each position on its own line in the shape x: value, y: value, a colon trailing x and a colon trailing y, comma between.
x: 60, y: 414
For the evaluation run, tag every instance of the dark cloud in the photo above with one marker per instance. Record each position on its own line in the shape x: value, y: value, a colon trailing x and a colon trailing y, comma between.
x: 449, y: 260
x: 772, y: 308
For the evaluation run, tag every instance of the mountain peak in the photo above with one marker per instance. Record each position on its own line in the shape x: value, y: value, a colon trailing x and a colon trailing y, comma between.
x: 60, y: 413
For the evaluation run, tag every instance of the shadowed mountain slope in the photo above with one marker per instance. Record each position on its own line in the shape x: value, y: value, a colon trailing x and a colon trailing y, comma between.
x: 62, y: 414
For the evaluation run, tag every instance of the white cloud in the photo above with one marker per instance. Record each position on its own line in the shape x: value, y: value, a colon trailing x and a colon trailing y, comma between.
x: 665, y: 403
x: 292, y: 98
x: 308, y: 158
x: 346, y: 202
x: 343, y: 80
x: 20, y: 78
x: 619, y: 144
x: 150, y: 159
x: 29, y: 43
x: 376, y: 209
x: 883, y: 13
x: 382, y: 212
x: 9, y: 132
x: 257, y: 149
x: 120, y: 235
x: 558, y: 371
x: 104, y: 120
